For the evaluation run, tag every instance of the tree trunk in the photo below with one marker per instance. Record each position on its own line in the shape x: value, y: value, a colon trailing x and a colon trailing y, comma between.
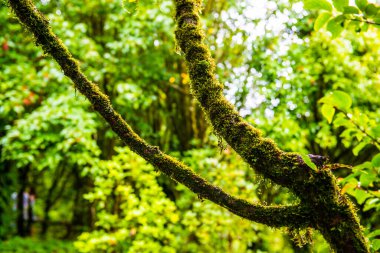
x: 46, y: 220
x: 29, y: 222
x: 21, y: 215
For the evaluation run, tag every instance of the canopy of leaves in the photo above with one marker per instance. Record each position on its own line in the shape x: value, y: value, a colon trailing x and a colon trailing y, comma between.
x: 310, y: 81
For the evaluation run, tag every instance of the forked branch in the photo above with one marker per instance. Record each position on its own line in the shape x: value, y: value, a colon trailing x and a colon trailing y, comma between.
x: 276, y: 216
x: 333, y: 212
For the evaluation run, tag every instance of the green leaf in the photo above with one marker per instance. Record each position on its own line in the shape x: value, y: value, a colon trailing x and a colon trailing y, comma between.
x: 365, y: 165
x: 338, y: 99
x: 328, y: 112
x: 364, y: 27
x: 340, y: 4
x: 375, y: 244
x: 374, y: 233
x: 377, y: 20
x: 375, y: 132
x: 367, y: 179
x: 317, y: 5
x: 350, y: 10
x: 340, y: 121
x: 361, y: 4
x: 358, y: 148
x: 371, y: 10
x: 361, y: 196
x: 308, y: 162
x: 376, y: 161
x: 341, y: 100
x: 370, y: 204
x: 321, y: 20
x: 335, y: 26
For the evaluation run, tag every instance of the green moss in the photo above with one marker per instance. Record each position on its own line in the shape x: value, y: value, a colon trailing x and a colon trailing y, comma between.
x: 322, y: 205
x: 317, y: 190
x: 273, y: 216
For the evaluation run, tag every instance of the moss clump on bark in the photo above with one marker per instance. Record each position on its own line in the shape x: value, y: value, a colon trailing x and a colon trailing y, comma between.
x: 322, y: 205
x: 276, y: 216
x: 318, y: 191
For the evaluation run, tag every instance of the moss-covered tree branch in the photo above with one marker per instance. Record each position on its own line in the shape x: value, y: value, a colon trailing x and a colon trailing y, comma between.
x: 261, y: 153
x: 333, y: 213
x: 276, y: 216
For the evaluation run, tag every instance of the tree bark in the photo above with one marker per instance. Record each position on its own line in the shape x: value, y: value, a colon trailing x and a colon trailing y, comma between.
x: 322, y: 206
x: 23, y: 181
x: 333, y: 213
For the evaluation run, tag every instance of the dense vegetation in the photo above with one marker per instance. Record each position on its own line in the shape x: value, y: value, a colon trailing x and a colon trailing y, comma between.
x: 313, y: 90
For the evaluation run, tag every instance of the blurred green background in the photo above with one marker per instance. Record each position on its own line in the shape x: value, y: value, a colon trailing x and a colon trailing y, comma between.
x: 81, y: 191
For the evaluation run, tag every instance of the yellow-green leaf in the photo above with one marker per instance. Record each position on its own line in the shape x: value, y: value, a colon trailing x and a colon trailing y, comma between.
x: 376, y: 161
x: 335, y: 26
x: 361, y: 4
x: 328, y: 112
x: 308, y: 162
x: 358, y: 148
x: 371, y: 10
x: 350, y: 10
x: 338, y: 99
x: 341, y: 100
x: 317, y: 5
x: 340, y: 4
x: 321, y: 20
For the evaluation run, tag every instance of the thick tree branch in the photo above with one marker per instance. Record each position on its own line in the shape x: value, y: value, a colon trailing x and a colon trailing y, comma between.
x: 294, y: 216
x: 333, y: 212
x: 261, y: 153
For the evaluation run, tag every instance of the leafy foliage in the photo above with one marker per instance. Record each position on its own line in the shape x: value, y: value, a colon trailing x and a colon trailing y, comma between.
x: 358, y: 17
x: 134, y: 213
x: 20, y: 245
x: 309, y: 93
x: 62, y: 139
